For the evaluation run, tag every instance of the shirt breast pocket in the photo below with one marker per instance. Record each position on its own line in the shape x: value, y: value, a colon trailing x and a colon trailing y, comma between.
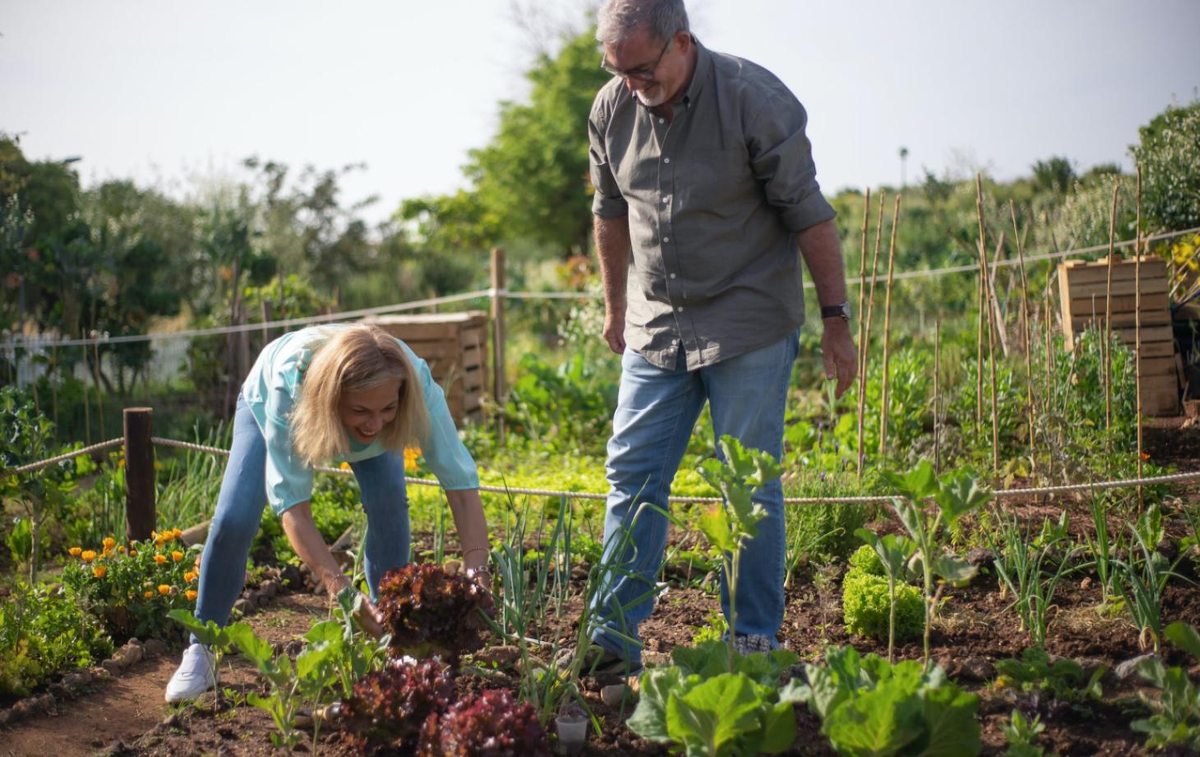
x: 715, y: 182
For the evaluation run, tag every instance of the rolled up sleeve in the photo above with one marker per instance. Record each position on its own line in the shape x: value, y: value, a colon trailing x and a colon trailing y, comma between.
x: 289, y: 481
x: 781, y: 158
x: 444, y: 452
x: 607, y: 202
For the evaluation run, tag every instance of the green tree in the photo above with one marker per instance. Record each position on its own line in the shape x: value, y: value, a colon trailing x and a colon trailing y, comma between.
x: 1169, y: 153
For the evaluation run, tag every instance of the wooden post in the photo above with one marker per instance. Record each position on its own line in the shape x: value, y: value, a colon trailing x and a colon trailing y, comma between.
x: 498, y: 283
x: 139, y: 473
x: 887, y: 331
x: 1029, y: 401
x: 862, y: 302
x: 1137, y: 328
x: 937, y: 359
x: 866, y: 341
x: 991, y: 324
x: 1107, y: 351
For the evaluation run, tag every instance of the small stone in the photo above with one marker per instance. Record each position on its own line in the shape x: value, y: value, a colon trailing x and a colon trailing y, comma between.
x: 1085, y: 583
x: 130, y: 654
x: 46, y: 702
x: 504, y: 655
x: 24, y: 708
x: 980, y: 556
x: 452, y: 567
x: 977, y: 670
x: 244, y: 606
x: 1128, y: 669
x: 259, y: 599
x: 59, y: 690
x: 111, y: 667
x: 579, y: 573
x: 135, y: 641
x: 612, y: 695
x: 155, y: 647
x: 100, y: 673
x: 269, y: 588
x: 5, y: 716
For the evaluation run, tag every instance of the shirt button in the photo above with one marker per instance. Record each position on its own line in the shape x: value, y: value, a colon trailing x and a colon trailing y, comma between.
x: 679, y: 309
x: 666, y: 200
x: 662, y: 120
x: 675, y: 341
x: 666, y: 239
x: 666, y: 160
x: 672, y: 275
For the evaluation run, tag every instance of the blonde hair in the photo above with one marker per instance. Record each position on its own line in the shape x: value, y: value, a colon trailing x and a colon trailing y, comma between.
x: 352, y: 360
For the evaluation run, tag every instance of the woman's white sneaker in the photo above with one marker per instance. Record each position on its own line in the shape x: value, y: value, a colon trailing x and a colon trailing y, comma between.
x: 194, y: 676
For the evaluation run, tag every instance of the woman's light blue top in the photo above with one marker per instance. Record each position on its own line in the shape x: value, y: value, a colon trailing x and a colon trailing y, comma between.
x: 273, y: 388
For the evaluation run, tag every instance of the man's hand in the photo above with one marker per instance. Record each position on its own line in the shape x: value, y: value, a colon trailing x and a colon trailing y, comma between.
x: 614, y: 331
x: 839, y: 354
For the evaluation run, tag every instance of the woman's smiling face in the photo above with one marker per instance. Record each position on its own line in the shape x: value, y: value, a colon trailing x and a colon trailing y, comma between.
x: 364, y: 413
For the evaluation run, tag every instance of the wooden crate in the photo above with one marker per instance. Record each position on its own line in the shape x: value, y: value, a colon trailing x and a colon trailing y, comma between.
x: 1082, y: 290
x: 455, y: 346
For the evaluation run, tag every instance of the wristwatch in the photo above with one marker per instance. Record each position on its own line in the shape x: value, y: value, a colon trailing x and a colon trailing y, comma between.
x: 837, y: 311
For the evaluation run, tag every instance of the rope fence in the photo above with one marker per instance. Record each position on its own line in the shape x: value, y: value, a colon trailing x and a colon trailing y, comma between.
x: 1128, y: 483
x: 495, y: 293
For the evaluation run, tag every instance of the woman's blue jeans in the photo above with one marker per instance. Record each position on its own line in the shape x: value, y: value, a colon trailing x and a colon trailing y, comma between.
x: 656, y: 410
x: 240, y: 507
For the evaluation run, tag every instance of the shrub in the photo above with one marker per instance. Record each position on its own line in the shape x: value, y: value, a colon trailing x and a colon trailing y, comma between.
x: 428, y: 611
x: 42, y: 632
x: 865, y: 607
x: 494, y: 725
x: 865, y: 560
x: 387, y: 708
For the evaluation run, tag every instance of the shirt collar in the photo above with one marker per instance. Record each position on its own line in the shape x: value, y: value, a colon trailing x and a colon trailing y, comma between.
x: 699, y: 76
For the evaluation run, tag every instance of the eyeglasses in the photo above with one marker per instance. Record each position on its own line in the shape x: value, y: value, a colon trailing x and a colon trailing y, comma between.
x: 643, y: 74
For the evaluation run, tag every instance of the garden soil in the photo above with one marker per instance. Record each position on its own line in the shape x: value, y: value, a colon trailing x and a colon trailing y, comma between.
x: 126, y: 716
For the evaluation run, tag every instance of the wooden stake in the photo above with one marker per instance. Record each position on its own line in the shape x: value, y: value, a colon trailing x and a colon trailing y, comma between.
x: 937, y: 355
x: 887, y: 330
x: 979, y: 359
x: 862, y: 297
x: 866, y: 344
x: 1107, y: 351
x: 1137, y: 339
x: 498, y: 284
x: 1029, y: 400
x: 140, y: 513
x: 987, y: 302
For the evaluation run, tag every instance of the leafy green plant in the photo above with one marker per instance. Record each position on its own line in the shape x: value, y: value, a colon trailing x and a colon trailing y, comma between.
x: 701, y: 707
x: 1101, y: 547
x: 1064, y: 679
x: 737, y: 476
x: 387, y: 709
x: 1175, y: 714
x: 892, y: 554
x: 1141, y: 581
x: 494, y: 723
x: 868, y: 706
x: 44, y: 631
x: 873, y: 606
x: 954, y: 495
x: 1022, y: 734
x: 1032, y: 573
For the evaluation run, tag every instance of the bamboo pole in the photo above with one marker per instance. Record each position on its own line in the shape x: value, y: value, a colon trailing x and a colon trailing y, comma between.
x: 1137, y: 328
x: 866, y: 344
x: 991, y: 325
x: 937, y: 362
x: 53, y: 374
x: 1107, y: 352
x: 887, y: 330
x: 979, y: 360
x: 87, y: 403
x: 862, y: 347
x: 1029, y: 400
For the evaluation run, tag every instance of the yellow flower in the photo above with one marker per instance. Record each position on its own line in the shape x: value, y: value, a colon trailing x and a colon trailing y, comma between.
x: 99, y: 571
x: 75, y: 551
x: 176, y: 556
x: 345, y: 466
x: 88, y: 555
x: 177, y: 533
x: 109, y: 542
x: 164, y: 590
x: 191, y: 595
x: 410, y: 459
x: 148, y: 594
x: 133, y: 553
x: 189, y: 576
x: 121, y: 549
x: 160, y: 559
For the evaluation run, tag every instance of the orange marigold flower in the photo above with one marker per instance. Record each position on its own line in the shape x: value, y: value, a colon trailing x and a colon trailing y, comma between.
x: 88, y: 555
x: 99, y: 571
x: 176, y: 555
x: 121, y: 549
x: 148, y: 594
x: 160, y: 559
x: 133, y: 553
x: 164, y: 590
x: 177, y: 533
x: 75, y: 551
x: 109, y: 542
x: 190, y: 576
x: 191, y: 595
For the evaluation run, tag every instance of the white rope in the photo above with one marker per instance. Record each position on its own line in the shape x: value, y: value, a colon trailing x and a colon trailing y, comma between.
x: 870, y: 499
x: 37, y: 344
x: 59, y: 458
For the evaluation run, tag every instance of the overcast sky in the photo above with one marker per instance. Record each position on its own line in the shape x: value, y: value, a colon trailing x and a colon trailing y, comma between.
x: 164, y: 91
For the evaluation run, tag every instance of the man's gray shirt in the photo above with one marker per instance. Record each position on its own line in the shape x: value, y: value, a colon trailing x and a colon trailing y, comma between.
x: 714, y: 199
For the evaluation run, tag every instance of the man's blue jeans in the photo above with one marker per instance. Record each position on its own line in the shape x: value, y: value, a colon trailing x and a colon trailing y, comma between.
x: 240, y: 507
x: 656, y: 411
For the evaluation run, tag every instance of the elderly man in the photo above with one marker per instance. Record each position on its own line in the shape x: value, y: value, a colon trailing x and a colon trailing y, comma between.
x: 704, y: 184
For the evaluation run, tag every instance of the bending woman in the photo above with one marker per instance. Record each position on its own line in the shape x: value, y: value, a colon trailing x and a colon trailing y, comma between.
x: 339, y: 392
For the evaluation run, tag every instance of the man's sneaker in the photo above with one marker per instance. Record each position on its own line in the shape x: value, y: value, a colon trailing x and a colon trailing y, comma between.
x: 600, y: 663
x: 751, y: 643
x: 194, y: 676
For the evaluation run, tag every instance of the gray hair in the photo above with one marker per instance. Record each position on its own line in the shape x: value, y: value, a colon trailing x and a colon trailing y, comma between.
x: 617, y: 19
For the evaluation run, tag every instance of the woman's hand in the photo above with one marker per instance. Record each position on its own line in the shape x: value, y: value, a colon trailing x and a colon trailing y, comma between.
x: 369, y: 618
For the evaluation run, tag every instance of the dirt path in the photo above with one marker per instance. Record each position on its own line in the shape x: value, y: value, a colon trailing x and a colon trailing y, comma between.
x: 126, y: 707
